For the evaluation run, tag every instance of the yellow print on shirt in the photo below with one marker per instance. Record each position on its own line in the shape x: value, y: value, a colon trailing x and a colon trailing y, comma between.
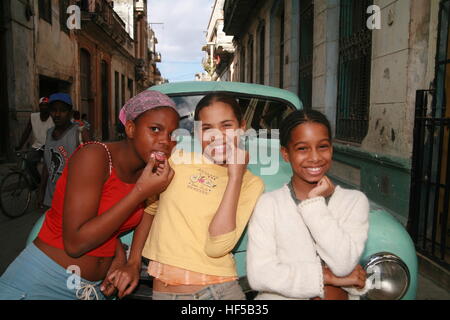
x: 202, y: 182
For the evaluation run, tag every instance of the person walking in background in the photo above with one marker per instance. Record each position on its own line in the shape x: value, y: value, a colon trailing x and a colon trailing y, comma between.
x: 85, y: 121
x: 82, y: 128
x: 38, y: 126
x: 77, y: 118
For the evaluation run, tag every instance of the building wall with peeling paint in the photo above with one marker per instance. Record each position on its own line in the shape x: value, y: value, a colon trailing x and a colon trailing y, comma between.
x: 403, y: 52
x: 35, y: 49
x: 399, y: 65
x: 402, y: 61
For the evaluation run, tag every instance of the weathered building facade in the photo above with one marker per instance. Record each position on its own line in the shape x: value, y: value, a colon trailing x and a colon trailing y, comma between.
x: 102, y: 64
x: 219, y: 47
x: 362, y: 63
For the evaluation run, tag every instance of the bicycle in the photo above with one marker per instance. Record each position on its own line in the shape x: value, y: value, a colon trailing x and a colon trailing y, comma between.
x: 16, y: 188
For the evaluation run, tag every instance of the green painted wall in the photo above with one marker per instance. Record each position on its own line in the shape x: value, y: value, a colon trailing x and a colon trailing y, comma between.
x: 384, y: 179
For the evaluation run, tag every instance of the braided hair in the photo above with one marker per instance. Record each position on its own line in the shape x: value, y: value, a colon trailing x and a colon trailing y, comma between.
x: 299, y: 117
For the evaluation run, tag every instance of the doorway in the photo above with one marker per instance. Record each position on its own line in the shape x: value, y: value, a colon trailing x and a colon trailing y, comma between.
x: 49, y: 86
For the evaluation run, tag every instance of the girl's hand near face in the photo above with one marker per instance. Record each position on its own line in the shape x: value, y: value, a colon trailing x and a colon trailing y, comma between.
x: 154, y: 179
x: 237, y: 159
x: 324, y: 188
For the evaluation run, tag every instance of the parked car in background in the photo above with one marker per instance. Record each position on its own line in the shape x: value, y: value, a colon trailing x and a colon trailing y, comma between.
x: 389, y: 255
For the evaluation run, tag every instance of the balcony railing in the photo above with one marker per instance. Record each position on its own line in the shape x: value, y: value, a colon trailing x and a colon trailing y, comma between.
x: 154, y: 57
x: 102, y: 13
x: 236, y: 13
x: 157, y: 57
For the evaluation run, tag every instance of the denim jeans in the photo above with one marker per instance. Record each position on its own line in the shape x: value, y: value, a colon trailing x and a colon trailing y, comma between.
x: 35, y: 276
x: 223, y: 291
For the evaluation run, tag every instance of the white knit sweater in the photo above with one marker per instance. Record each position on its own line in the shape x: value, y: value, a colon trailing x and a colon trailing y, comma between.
x: 286, y: 243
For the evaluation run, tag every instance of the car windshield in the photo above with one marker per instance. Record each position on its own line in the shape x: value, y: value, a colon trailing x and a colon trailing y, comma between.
x: 259, y: 112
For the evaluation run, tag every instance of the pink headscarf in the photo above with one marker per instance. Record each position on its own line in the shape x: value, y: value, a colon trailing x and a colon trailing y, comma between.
x: 143, y: 102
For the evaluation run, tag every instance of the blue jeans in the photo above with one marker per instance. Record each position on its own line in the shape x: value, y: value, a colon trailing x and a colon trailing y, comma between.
x: 223, y: 291
x: 35, y: 276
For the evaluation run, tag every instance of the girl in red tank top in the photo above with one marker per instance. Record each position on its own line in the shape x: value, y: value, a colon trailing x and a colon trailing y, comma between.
x: 99, y: 196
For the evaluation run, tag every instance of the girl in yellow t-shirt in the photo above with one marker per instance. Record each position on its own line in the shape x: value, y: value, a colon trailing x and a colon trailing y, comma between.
x: 190, y: 232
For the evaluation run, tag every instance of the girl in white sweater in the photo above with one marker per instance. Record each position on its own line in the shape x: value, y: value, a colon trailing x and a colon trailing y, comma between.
x: 305, y: 239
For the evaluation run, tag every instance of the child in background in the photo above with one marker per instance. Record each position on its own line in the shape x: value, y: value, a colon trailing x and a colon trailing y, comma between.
x: 306, y: 239
x: 61, y: 141
x: 85, y: 121
x: 200, y: 217
x: 84, y: 135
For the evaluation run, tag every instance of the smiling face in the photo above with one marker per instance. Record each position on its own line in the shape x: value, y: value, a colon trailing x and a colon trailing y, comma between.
x: 151, y: 133
x: 309, y: 152
x: 218, y: 120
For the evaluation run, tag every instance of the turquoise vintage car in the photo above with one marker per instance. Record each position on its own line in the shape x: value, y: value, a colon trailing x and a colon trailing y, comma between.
x: 389, y: 255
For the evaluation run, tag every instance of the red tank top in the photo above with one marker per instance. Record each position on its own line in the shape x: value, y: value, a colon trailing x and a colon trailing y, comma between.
x: 113, y: 191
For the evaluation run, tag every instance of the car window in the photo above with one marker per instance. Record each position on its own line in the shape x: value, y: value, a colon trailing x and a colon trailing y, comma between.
x: 259, y: 113
x: 186, y: 108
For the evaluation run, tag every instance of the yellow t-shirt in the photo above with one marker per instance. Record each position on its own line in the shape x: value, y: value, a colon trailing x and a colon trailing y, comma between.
x: 179, y: 234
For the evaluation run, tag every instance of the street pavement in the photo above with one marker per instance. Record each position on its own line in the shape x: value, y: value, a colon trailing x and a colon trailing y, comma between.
x: 14, y: 234
x: 428, y: 290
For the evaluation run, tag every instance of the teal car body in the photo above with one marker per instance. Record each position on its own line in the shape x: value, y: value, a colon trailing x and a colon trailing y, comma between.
x: 386, y: 234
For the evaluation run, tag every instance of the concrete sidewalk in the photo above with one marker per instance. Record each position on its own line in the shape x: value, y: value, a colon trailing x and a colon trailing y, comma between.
x: 435, y: 281
x: 429, y: 290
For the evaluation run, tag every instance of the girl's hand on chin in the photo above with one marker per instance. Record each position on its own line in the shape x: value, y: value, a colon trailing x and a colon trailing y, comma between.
x: 237, y: 160
x: 324, y: 188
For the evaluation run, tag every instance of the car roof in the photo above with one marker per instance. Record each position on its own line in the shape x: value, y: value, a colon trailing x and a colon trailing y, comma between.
x: 192, y: 87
